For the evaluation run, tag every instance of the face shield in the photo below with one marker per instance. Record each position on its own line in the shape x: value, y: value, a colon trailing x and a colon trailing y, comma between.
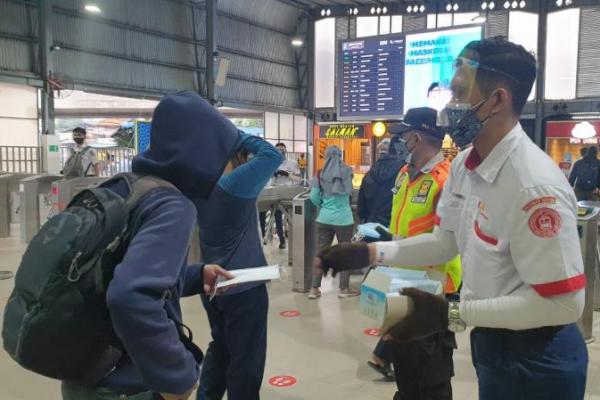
x: 459, y: 117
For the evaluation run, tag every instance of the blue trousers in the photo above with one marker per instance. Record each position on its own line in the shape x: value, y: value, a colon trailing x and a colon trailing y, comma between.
x: 535, y: 364
x: 235, y: 359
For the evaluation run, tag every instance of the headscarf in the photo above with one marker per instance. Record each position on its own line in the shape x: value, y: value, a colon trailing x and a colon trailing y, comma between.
x: 336, y: 177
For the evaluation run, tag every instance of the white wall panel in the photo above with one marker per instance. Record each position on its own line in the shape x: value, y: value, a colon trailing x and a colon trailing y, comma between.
x: 325, y: 63
x: 561, y: 54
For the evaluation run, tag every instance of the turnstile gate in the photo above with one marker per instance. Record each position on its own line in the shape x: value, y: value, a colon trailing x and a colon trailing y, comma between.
x: 64, y: 190
x: 587, y: 226
x: 9, y: 201
x: 304, y: 226
x: 35, y: 203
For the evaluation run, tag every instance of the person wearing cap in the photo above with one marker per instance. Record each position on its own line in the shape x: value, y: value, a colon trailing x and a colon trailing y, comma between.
x: 511, y: 214
x: 423, y: 367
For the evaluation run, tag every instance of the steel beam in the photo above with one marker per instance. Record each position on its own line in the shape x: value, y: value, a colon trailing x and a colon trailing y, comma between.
x: 211, y: 48
x: 541, y: 75
x: 46, y: 65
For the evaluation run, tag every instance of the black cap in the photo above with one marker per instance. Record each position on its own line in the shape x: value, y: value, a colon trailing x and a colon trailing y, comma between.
x: 422, y: 119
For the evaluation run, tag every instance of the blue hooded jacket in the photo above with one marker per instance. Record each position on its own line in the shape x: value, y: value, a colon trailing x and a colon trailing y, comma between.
x: 191, y: 143
x: 228, y: 219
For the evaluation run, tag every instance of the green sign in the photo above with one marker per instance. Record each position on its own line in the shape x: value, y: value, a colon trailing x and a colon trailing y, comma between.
x: 53, y: 148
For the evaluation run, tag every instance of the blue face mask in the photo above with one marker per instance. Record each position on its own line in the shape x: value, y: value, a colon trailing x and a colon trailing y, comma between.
x: 463, y: 124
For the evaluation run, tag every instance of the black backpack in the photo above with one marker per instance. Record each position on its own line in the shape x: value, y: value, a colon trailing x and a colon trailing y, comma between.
x: 587, y: 175
x: 56, y: 321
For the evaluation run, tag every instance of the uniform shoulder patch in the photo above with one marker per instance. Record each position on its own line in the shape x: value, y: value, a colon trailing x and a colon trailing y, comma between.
x: 545, y: 222
x: 539, y: 201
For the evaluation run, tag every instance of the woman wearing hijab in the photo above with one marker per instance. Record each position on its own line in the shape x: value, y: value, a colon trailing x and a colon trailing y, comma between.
x: 330, y: 192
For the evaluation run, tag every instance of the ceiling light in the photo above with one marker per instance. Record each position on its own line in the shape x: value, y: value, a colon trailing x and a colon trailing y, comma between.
x: 372, y: 10
x: 409, y: 9
x: 297, y: 42
x: 455, y: 8
x: 323, y: 12
x: 384, y: 10
x: 484, y: 5
x: 355, y: 11
x: 515, y: 4
x: 328, y: 12
x: 492, y: 5
x: 568, y: 2
x: 422, y: 8
x: 448, y: 7
x: 507, y: 4
x: 378, y: 10
x: 523, y: 4
x: 92, y: 8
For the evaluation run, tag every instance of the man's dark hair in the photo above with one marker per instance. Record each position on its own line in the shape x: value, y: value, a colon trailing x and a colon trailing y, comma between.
x: 281, y: 144
x: 503, y: 64
x: 592, y: 152
x: 80, y: 130
x: 433, y: 86
x: 432, y: 140
x: 583, y: 151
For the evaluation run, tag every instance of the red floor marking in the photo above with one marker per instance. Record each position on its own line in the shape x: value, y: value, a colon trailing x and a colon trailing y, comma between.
x: 289, y: 313
x: 282, y: 381
x: 371, y: 332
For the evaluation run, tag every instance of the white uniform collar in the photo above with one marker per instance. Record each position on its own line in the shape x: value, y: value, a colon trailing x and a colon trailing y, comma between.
x: 488, y: 169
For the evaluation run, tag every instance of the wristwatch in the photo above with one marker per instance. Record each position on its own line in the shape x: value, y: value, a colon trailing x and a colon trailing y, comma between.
x: 455, y: 323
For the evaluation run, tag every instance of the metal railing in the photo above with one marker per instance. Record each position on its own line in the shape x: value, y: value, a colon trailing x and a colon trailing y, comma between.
x: 20, y: 159
x: 112, y: 160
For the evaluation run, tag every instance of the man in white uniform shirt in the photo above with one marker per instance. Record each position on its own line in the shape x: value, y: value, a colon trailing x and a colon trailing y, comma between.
x: 510, y: 213
x: 89, y: 158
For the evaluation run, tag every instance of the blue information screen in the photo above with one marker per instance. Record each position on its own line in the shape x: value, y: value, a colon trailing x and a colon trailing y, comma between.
x: 371, y: 77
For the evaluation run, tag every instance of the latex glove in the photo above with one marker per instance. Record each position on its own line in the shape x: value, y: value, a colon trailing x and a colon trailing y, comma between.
x: 211, y: 273
x: 429, y: 316
x: 369, y: 229
x: 343, y: 257
x: 185, y: 396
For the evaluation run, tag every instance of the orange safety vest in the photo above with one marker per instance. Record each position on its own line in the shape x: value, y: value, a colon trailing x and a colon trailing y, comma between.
x: 413, y: 213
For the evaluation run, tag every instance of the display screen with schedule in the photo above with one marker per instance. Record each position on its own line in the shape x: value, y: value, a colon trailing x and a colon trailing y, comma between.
x: 381, y: 77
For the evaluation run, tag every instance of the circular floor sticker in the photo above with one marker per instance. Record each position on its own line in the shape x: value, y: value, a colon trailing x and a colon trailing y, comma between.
x: 289, y: 313
x: 371, y: 332
x: 282, y: 381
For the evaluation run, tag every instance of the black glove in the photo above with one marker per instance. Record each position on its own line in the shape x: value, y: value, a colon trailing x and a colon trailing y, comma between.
x: 384, y: 234
x: 429, y: 316
x: 282, y: 173
x: 344, y: 257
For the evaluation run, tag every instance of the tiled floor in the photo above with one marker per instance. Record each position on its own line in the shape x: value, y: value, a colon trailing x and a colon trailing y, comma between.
x: 324, y: 348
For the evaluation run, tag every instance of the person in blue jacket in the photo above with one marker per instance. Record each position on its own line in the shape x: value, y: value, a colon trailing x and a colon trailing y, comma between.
x: 190, y: 145
x: 229, y: 236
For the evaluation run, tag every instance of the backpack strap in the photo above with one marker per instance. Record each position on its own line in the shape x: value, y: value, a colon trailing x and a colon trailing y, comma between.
x: 139, y: 186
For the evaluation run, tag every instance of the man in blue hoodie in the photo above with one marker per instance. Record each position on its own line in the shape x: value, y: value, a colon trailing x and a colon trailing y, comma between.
x: 190, y: 146
x: 229, y: 236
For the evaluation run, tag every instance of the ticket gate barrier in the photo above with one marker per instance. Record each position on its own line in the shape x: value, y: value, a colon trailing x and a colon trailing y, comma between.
x: 35, y: 203
x: 64, y: 190
x: 9, y: 201
x: 304, y: 249
x: 587, y: 227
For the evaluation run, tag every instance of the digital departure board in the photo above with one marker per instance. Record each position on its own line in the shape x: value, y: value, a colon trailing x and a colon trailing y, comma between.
x: 370, y: 78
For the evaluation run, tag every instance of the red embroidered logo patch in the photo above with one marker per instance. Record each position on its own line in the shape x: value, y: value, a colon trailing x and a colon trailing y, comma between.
x: 545, y: 222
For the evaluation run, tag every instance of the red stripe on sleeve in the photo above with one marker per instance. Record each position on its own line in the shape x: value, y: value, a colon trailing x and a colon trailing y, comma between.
x: 569, y: 285
x: 437, y: 220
